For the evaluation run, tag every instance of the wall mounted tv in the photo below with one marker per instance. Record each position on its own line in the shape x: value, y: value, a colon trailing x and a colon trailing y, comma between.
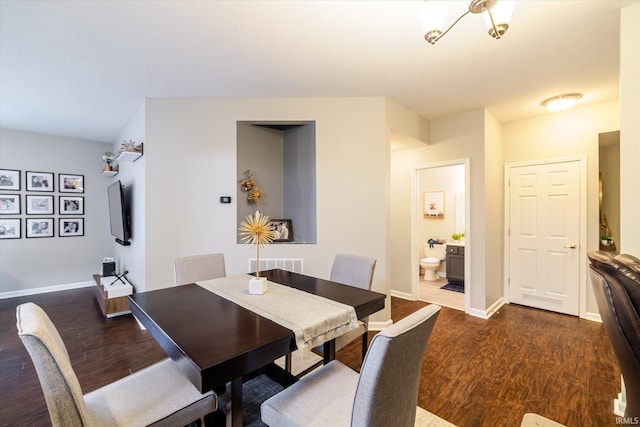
x: 119, y: 214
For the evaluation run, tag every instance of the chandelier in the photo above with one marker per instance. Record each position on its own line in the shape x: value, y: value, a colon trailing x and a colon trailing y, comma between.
x: 433, y: 14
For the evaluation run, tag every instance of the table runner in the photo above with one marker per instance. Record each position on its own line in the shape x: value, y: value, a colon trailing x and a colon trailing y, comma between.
x: 313, y: 319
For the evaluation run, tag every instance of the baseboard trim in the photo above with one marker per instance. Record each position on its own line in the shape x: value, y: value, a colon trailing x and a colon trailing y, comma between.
x: 403, y: 295
x: 46, y: 289
x: 378, y: 326
x: 594, y: 317
x: 485, y: 314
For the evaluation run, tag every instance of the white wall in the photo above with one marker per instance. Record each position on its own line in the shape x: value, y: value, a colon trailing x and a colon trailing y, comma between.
x: 191, y: 160
x: 629, y: 130
x: 29, y: 264
x: 569, y: 133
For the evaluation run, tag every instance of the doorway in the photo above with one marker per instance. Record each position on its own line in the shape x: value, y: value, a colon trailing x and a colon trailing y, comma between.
x: 545, y: 247
x: 444, y: 183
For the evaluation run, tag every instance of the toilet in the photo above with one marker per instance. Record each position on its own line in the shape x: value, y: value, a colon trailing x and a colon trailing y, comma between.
x: 431, y: 264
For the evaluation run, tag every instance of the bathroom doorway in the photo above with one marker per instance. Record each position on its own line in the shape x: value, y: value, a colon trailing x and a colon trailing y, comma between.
x: 440, y: 213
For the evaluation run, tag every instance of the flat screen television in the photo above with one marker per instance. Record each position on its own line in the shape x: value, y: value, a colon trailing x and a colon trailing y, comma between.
x: 118, y: 214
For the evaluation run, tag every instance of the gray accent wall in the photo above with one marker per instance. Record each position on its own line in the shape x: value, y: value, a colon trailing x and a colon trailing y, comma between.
x: 29, y: 264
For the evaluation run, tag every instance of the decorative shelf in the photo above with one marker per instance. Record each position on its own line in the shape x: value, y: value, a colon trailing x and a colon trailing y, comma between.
x: 129, y: 156
x: 110, y: 173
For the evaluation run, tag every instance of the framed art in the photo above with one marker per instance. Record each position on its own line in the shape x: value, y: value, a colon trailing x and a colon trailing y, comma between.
x: 71, y: 205
x: 39, y: 227
x: 39, y: 181
x: 283, y: 229
x: 70, y: 183
x: 68, y: 227
x: 9, y: 204
x: 39, y: 205
x: 10, y: 228
x: 434, y: 204
x: 9, y: 179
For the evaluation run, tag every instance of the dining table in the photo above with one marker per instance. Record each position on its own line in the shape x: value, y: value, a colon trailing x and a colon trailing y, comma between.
x: 219, y: 334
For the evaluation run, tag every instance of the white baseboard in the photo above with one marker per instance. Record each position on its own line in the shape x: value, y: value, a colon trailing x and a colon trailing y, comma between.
x: 46, y: 289
x: 378, y: 326
x: 403, y: 295
x: 485, y: 314
x: 594, y: 317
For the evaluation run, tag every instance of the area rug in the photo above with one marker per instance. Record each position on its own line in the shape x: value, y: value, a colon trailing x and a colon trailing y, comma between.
x: 254, y: 392
x: 455, y: 287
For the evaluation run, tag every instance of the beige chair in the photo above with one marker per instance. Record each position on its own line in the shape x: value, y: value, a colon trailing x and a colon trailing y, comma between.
x: 385, y: 393
x: 158, y: 395
x: 195, y: 268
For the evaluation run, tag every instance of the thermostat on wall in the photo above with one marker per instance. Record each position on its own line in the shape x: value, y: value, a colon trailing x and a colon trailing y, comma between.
x: 225, y: 199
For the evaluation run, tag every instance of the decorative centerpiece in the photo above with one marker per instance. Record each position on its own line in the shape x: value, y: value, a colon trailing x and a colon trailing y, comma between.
x: 258, y: 231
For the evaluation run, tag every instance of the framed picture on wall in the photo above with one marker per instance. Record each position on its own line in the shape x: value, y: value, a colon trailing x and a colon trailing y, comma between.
x: 9, y: 204
x: 71, y: 205
x: 70, y: 183
x: 10, y: 228
x: 39, y: 181
x: 68, y: 227
x: 39, y: 227
x: 434, y: 204
x: 9, y: 179
x: 39, y: 205
x: 283, y: 229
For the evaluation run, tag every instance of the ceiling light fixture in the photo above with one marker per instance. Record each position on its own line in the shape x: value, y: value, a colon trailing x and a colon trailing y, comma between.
x: 561, y: 102
x: 433, y: 13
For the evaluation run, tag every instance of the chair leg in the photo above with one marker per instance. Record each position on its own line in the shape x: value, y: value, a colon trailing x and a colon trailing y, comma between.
x: 287, y: 362
x: 365, y: 344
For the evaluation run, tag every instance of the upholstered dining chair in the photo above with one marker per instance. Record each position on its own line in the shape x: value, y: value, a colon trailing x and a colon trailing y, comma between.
x: 158, y: 395
x: 616, y: 285
x: 191, y: 269
x: 385, y: 393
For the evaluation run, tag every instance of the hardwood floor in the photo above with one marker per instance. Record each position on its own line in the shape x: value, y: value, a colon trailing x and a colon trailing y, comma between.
x: 475, y: 373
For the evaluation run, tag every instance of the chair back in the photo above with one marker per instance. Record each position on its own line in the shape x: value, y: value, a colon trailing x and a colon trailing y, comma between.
x: 353, y: 270
x: 62, y: 392
x: 195, y: 268
x: 616, y: 285
x: 387, y: 392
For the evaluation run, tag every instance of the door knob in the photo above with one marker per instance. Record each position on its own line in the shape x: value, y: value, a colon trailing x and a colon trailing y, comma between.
x: 571, y: 246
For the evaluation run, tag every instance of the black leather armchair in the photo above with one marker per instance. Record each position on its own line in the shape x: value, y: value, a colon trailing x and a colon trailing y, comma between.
x: 616, y: 284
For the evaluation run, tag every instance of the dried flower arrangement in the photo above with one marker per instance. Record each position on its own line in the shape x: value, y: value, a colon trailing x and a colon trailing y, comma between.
x: 248, y: 185
x: 257, y: 230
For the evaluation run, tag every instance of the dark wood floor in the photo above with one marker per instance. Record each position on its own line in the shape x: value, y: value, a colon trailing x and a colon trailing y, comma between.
x: 475, y: 373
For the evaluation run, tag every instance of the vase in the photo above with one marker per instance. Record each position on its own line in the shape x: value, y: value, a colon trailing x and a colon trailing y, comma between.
x: 257, y: 285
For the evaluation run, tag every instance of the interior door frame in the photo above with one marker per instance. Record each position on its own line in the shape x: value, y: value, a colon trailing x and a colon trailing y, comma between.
x: 582, y: 245
x: 416, y: 216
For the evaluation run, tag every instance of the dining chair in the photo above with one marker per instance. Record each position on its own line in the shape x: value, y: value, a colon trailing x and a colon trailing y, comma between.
x: 158, y: 395
x: 191, y: 269
x: 385, y: 393
x: 616, y: 285
x: 352, y: 270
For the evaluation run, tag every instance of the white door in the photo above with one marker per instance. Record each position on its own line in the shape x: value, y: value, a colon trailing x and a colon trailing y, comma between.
x: 544, y: 235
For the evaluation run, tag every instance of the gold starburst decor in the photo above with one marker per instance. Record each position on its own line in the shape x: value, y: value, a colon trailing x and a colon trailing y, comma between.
x: 257, y: 231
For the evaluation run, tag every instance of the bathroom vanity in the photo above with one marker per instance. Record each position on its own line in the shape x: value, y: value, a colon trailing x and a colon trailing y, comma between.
x: 455, y: 262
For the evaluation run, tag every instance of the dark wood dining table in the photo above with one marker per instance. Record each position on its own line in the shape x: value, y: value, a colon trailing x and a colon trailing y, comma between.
x: 215, y: 341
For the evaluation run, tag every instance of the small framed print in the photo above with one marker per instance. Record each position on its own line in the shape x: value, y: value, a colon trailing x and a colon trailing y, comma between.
x: 283, y: 230
x: 71, y: 205
x: 9, y: 204
x: 10, y: 228
x: 39, y: 205
x: 69, y: 227
x: 39, y: 181
x: 70, y: 183
x: 39, y: 227
x: 9, y: 179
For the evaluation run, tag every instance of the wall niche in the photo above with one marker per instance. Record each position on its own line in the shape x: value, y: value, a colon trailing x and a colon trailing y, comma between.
x: 281, y: 155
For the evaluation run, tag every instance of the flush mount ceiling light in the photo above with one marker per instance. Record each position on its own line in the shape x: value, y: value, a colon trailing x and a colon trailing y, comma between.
x: 433, y: 13
x: 561, y: 102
